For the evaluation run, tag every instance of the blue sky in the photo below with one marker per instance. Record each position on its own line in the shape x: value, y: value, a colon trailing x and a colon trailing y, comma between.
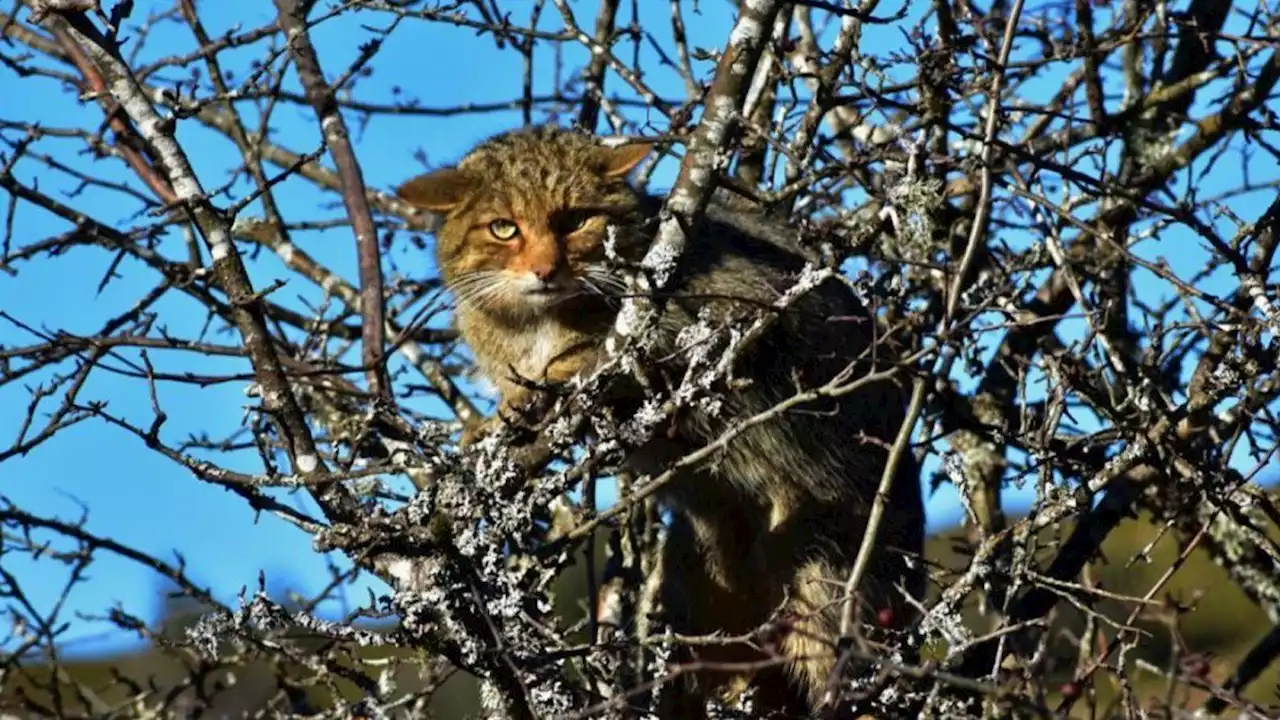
x: 141, y: 499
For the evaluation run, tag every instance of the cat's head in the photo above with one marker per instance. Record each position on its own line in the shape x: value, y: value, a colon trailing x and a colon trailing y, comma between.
x: 526, y: 216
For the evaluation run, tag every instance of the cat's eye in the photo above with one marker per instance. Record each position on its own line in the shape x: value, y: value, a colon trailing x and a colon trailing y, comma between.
x: 503, y: 229
x: 570, y: 221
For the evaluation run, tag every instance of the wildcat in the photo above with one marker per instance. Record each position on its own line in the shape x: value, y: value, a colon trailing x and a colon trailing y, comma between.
x: 770, y: 527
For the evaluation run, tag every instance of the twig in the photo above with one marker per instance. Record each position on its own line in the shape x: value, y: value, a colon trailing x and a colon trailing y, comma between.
x: 292, y: 18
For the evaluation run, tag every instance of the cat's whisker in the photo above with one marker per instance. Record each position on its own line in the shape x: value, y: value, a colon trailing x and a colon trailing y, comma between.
x: 609, y: 300
x: 478, y: 288
x: 469, y: 282
x: 495, y: 290
x: 463, y: 290
x: 607, y: 282
x: 585, y: 281
x: 613, y: 280
x: 594, y: 289
x: 580, y: 288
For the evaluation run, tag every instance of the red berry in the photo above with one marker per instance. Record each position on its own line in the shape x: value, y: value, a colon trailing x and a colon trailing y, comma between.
x: 885, y: 617
x: 1197, y: 666
x: 1070, y: 691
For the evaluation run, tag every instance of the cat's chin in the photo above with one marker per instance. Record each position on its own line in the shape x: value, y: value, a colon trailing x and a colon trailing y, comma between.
x: 539, y: 300
x: 530, y: 304
x: 522, y: 299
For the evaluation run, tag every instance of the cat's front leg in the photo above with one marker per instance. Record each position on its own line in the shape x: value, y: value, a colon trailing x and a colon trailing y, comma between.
x: 517, y: 406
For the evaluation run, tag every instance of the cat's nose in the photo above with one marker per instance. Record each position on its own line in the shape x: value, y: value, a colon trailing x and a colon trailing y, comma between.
x: 543, y: 271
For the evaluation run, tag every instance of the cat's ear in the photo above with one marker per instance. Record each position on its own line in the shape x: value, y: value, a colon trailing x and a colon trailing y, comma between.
x: 440, y: 190
x: 615, y: 162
